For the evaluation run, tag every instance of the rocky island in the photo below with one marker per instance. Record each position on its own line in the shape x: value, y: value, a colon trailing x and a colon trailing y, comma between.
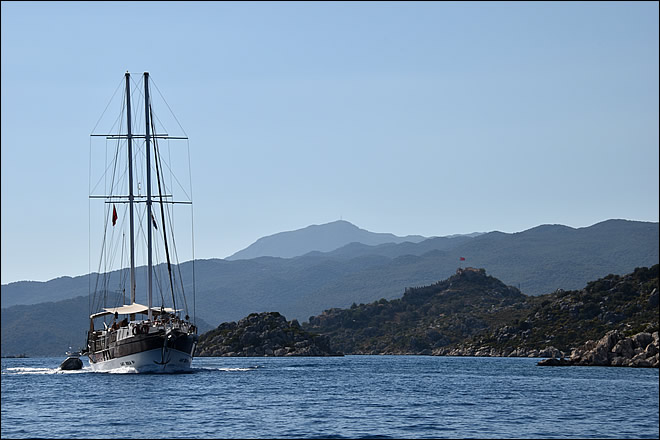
x: 263, y: 334
x: 470, y: 314
x: 473, y: 314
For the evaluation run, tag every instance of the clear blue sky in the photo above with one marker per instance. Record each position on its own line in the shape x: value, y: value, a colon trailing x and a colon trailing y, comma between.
x: 409, y: 118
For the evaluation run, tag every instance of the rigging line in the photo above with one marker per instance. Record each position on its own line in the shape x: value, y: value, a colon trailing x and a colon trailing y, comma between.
x: 108, y: 105
x: 101, y: 177
x: 89, y: 233
x: 138, y: 96
x: 170, y: 225
x: 103, y: 245
x: 169, y: 160
x: 114, y: 170
x: 181, y: 187
x: 159, y: 284
x: 105, y: 171
x: 192, y: 235
x: 178, y: 286
x: 107, y: 167
x: 173, y: 174
x: 170, y: 212
x: 168, y: 106
x: 162, y: 212
x: 122, y: 272
x: 178, y: 266
x: 161, y: 123
x: 181, y: 290
x: 118, y: 148
x: 118, y: 119
x: 99, y: 277
x: 118, y: 245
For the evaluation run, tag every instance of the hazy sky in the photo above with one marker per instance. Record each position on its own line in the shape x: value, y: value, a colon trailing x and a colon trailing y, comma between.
x: 409, y: 118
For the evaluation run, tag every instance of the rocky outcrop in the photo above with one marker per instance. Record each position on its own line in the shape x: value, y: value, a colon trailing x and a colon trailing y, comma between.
x: 616, y: 350
x: 553, y: 362
x: 263, y: 334
x: 487, y: 351
x: 425, y: 319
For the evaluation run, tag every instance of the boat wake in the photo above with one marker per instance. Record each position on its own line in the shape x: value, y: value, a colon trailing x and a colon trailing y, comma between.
x: 237, y: 369
x: 29, y: 370
x: 227, y: 369
x: 120, y: 370
x: 86, y: 369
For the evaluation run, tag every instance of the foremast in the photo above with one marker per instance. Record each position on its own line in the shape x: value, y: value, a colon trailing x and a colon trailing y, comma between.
x: 149, y: 214
x: 129, y: 136
x: 131, y: 198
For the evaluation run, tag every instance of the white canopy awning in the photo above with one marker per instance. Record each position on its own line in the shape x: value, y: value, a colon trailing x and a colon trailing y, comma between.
x: 131, y: 309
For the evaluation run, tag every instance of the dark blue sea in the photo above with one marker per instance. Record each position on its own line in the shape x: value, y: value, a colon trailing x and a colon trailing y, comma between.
x: 332, y: 397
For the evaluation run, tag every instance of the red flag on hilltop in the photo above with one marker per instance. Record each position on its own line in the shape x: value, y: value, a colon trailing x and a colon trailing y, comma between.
x: 114, y: 215
x: 462, y: 258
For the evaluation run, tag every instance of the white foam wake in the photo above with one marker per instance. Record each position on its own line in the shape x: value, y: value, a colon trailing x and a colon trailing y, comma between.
x: 29, y: 370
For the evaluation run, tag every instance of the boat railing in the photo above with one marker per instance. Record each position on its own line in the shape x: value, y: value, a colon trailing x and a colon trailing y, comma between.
x: 146, y: 327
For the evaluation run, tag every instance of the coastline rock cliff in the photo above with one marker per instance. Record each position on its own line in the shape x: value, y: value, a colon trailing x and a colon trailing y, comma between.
x: 263, y: 334
x: 614, y: 350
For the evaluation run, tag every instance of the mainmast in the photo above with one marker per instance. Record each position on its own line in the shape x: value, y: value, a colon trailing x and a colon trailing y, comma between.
x: 149, y: 215
x: 130, y: 185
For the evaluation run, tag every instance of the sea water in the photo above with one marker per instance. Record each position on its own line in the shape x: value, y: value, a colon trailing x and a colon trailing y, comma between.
x: 331, y: 397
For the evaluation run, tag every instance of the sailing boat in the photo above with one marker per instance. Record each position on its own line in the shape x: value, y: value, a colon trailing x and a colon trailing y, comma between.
x: 140, y: 338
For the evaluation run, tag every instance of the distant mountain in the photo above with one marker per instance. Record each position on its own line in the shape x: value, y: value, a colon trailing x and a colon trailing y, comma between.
x: 393, y: 250
x: 322, y: 238
x: 35, y: 292
x: 537, y: 261
x: 46, y: 329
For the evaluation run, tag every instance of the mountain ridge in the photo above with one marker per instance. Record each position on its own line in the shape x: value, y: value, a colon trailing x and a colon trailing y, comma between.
x: 536, y: 262
x: 323, y: 238
x: 503, y: 254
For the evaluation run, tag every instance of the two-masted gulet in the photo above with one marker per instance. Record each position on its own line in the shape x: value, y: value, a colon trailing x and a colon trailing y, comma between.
x: 140, y: 338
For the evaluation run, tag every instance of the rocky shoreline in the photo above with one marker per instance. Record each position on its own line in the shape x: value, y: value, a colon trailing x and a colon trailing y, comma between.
x: 548, y: 352
x: 470, y: 314
x: 263, y: 334
x: 270, y: 334
x: 614, y: 350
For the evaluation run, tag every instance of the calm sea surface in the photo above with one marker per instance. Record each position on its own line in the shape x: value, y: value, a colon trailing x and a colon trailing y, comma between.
x: 352, y: 396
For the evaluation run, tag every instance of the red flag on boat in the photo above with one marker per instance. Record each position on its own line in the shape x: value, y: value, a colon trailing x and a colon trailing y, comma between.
x: 153, y: 219
x: 462, y: 258
x: 114, y: 215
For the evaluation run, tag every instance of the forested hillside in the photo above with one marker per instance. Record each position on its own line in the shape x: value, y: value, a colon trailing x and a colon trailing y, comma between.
x: 472, y: 312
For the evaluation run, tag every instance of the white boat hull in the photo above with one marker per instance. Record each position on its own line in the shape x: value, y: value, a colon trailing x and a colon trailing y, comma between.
x: 150, y: 361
